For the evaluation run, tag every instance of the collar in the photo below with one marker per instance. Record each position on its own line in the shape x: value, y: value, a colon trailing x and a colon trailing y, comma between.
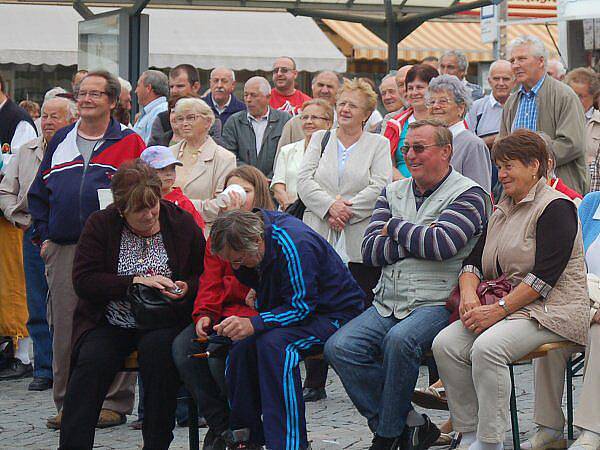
x: 535, y: 89
x: 265, y: 117
x: 506, y: 202
x: 428, y: 192
x: 3, y: 103
x: 113, y: 131
x: 154, y: 103
x: 224, y: 107
x: 494, y: 102
x: 588, y: 114
x: 457, y: 128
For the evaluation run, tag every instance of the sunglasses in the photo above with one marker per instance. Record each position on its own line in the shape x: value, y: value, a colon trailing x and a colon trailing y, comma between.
x: 417, y: 148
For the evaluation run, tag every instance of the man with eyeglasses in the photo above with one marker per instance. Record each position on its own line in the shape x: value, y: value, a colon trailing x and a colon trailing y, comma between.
x: 73, y: 179
x: 422, y: 227
x: 285, y: 96
x: 253, y: 135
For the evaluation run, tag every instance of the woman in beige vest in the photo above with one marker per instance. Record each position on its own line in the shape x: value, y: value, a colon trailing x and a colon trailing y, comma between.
x: 533, y: 238
x: 205, y: 164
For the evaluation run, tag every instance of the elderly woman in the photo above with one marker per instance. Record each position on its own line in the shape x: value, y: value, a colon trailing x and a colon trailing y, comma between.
x: 205, y: 164
x: 140, y: 239
x: 316, y: 115
x: 340, y: 186
x: 534, y: 241
x: 449, y: 100
x: 417, y: 80
x: 220, y: 295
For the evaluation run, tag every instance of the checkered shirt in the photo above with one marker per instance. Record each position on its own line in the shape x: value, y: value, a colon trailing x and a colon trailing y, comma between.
x: 527, y: 112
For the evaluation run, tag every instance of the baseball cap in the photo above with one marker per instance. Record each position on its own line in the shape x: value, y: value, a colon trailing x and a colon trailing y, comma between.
x: 159, y: 157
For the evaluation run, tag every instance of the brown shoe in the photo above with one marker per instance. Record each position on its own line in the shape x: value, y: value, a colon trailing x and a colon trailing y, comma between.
x: 109, y: 418
x: 54, y: 422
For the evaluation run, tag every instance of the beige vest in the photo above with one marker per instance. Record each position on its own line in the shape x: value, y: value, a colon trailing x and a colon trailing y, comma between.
x: 511, y: 240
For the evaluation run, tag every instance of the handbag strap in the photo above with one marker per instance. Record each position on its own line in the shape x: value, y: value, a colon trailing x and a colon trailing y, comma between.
x: 325, y: 141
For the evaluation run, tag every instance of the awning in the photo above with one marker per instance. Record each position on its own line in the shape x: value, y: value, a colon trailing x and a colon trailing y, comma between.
x: 433, y: 39
x: 40, y: 34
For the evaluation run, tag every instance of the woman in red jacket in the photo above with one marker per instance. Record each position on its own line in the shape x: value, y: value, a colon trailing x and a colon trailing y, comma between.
x: 220, y: 295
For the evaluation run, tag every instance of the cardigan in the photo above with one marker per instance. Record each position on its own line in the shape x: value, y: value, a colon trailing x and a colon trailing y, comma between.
x: 96, y: 260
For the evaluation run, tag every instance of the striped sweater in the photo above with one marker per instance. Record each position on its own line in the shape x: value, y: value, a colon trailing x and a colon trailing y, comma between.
x: 444, y: 238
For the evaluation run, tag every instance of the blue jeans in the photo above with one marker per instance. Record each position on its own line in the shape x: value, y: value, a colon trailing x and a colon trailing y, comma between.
x: 378, y: 359
x: 37, y: 296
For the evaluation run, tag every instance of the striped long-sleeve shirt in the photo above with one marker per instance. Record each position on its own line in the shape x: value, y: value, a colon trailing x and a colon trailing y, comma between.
x: 464, y: 218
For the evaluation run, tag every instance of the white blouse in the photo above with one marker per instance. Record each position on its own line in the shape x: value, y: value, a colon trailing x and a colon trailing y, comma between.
x: 287, y: 167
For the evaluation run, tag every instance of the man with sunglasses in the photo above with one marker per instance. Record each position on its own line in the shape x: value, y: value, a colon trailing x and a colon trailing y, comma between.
x: 285, y: 96
x: 74, y: 175
x: 421, y: 230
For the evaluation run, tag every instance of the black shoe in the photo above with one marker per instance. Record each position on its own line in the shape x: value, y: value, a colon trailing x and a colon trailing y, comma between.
x: 313, y: 394
x: 382, y: 443
x: 420, y: 437
x: 40, y: 384
x: 16, y: 369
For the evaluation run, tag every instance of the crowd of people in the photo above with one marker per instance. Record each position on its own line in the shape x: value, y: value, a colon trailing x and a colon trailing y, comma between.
x: 225, y: 240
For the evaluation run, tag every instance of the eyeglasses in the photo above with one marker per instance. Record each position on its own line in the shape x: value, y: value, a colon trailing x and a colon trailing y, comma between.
x: 345, y: 103
x: 440, y: 101
x: 93, y: 94
x: 283, y: 70
x: 190, y: 118
x: 418, y: 148
x: 305, y: 117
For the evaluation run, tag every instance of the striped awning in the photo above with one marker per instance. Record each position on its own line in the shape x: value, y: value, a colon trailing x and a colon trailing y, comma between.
x: 433, y: 39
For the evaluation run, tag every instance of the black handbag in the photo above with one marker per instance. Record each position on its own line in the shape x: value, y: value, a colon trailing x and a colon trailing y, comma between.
x: 297, y: 208
x: 151, y: 308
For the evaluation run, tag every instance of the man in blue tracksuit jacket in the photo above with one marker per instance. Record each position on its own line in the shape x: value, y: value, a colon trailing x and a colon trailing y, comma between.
x: 304, y: 293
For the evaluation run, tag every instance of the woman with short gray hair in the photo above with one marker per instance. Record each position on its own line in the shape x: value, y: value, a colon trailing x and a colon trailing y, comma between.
x: 205, y: 164
x: 448, y: 100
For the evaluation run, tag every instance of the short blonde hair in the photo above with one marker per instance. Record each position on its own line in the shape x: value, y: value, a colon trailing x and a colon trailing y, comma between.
x: 195, y: 105
x: 361, y: 86
x: 324, y: 105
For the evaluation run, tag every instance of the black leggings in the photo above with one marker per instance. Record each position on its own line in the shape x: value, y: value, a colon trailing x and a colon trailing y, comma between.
x: 98, y: 356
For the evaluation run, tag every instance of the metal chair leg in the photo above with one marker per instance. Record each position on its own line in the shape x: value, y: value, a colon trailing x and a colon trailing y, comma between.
x: 194, y: 440
x: 514, y: 418
x: 570, y: 433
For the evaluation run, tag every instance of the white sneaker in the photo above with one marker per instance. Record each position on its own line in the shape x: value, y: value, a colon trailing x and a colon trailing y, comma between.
x: 588, y: 440
x: 544, y: 439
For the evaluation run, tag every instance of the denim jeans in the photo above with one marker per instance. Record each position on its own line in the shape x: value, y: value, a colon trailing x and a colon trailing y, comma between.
x: 37, y: 295
x: 378, y: 359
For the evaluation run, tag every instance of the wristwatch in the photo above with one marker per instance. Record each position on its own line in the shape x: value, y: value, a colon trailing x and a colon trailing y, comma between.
x: 502, y: 303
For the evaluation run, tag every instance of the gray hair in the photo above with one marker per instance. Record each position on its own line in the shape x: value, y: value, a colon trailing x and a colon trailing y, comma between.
x: 442, y: 135
x: 158, y: 81
x: 451, y: 84
x: 560, y: 68
x: 536, y: 46
x: 335, y: 74
x: 497, y: 63
x: 125, y: 85
x: 231, y: 72
x: 263, y: 84
x: 54, y: 92
x: 197, y: 105
x: 71, y: 106
x: 237, y: 230
x: 461, y: 58
x: 392, y: 74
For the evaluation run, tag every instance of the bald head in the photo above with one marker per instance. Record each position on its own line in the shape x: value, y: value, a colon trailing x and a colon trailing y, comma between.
x: 401, y: 80
x: 501, y: 79
x: 325, y: 85
x: 390, y: 95
x: 222, y: 85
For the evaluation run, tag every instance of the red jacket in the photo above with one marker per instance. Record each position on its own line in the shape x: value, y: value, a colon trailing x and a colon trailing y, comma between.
x: 180, y: 199
x: 561, y: 187
x: 393, y: 130
x: 220, y: 293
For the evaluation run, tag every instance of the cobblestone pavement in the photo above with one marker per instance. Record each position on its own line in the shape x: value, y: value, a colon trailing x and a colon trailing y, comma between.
x: 332, y: 423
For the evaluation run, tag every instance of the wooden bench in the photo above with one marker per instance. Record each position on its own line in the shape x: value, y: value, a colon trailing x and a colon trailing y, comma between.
x: 574, y: 366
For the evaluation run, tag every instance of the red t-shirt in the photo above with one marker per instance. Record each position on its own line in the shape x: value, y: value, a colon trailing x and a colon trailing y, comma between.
x: 289, y: 103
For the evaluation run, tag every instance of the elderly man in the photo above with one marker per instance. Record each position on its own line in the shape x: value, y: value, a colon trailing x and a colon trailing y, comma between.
x: 76, y: 79
x: 454, y: 62
x: 324, y: 86
x: 422, y: 227
x: 401, y: 81
x: 485, y: 114
x: 152, y: 90
x: 253, y: 135
x: 16, y: 126
x: 285, y: 96
x: 184, y: 79
x: 123, y: 110
x: 547, y: 106
x: 556, y: 69
x: 432, y: 61
x: 304, y: 293
x: 220, y: 98
x: 56, y: 114
x: 391, y: 97
x: 74, y: 174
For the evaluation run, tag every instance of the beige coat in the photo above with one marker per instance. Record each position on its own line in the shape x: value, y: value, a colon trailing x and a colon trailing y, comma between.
x: 15, y: 185
x: 368, y: 170
x: 207, y: 178
x: 592, y: 137
x: 511, y: 240
x: 561, y: 117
